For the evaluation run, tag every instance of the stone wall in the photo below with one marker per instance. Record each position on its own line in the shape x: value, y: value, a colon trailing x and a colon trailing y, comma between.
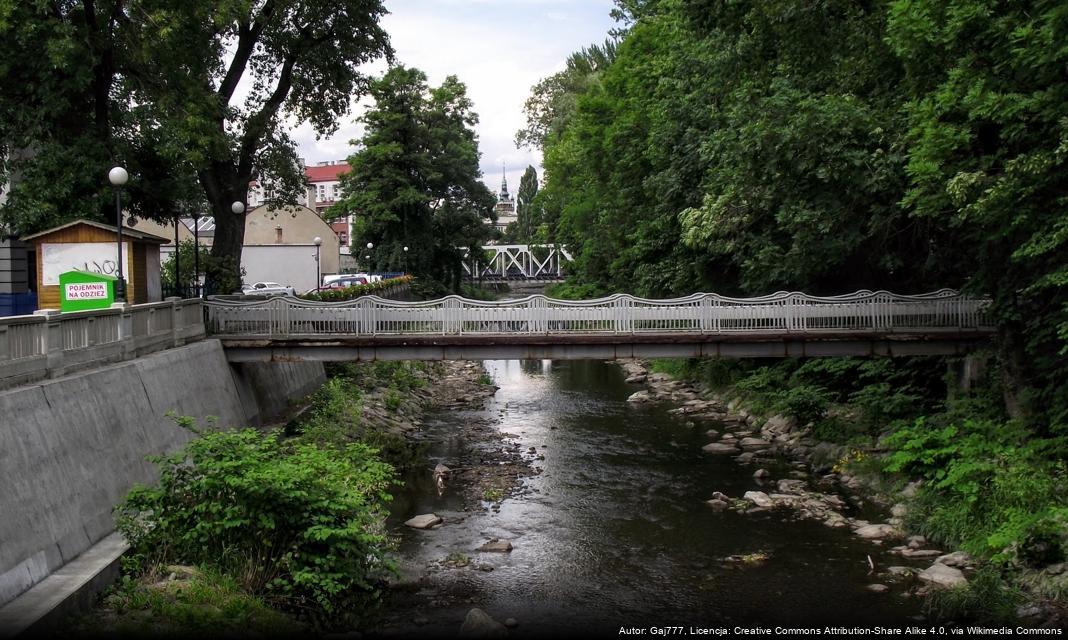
x: 70, y: 448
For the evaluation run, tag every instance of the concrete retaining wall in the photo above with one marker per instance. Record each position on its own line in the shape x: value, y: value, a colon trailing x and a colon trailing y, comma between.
x: 70, y: 448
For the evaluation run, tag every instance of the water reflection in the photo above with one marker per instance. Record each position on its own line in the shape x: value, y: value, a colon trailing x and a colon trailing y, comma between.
x: 614, y: 531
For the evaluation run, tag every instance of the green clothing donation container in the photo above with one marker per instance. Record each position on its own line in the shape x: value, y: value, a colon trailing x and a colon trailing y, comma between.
x: 84, y: 291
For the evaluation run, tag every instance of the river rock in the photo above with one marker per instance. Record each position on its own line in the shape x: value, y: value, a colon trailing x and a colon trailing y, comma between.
x: 759, y: 498
x: 638, y: 397
x: 636, y: 378
x: 479, y: 624
x: 511, y: 623
x: 920, y: 553
x: 940, y: 575
x: 441, y: 470
x: 916, y: 542
x: 754, y: 444
x: 711, y: 434
x: 791, y: 486
x: 877, y: 588
x: 955, y: 559
x: 779, y: 424
x: 496, y: 546
x: 875, y: 531
x: 720, y: 448
x: 899, y: 510
x: 424, y: 521
x: 717, y: 505
x: 761, y: 474
x: 899, y: 571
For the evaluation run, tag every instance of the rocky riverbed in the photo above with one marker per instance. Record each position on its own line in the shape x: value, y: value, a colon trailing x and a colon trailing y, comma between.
x: 812, y: 486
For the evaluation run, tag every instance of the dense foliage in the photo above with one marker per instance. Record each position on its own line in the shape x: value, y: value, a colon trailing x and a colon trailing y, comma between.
x: 154, y: 85
x: 415, y: 180
x: 295, y: 522
x: 825, y: 146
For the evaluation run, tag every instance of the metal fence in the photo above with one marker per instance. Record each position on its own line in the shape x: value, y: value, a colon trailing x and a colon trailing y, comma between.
x: 705, y: 313
x: 49, y: 343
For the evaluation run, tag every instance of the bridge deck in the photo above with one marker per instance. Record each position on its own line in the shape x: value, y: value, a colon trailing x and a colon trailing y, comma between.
x: 572, y: 346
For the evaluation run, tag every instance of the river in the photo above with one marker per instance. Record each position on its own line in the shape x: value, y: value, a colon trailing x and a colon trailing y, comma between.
x: 614, y: 531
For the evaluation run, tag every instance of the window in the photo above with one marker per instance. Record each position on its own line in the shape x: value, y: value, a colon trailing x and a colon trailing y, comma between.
x: 343, y: 237
x: 321, y: 193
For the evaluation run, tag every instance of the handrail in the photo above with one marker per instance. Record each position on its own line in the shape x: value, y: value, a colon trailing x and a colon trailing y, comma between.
x: 617, y: 313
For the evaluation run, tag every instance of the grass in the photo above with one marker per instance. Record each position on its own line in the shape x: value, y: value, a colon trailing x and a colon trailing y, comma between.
x: 197, y: 601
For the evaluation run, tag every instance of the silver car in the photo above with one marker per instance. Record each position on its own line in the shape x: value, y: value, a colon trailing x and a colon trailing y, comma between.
x: 267, y: 289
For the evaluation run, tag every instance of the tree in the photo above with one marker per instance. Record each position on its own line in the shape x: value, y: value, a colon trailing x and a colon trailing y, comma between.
x: 527, y: 218
x: 415, y: 180
x: 202, y: 88
x: 987, y: 156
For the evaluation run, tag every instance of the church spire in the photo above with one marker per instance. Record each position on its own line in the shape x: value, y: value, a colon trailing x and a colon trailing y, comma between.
x: 504, y: 184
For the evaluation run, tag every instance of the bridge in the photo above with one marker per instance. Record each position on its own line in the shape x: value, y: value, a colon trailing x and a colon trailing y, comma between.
x: 543, y: 262
x: 783, y: 324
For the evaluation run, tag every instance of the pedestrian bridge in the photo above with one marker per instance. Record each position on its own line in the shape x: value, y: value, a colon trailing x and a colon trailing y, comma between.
x: 783, y: 324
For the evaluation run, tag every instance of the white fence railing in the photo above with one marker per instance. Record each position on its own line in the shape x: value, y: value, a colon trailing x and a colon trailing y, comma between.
x: 49, y: 343
x: 704, y: 313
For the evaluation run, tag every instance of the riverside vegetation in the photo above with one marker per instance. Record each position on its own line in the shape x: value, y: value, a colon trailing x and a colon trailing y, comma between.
x: 277, y: 532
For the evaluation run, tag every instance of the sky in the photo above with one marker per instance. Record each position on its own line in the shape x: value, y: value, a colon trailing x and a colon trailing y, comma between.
x: 498, y: 48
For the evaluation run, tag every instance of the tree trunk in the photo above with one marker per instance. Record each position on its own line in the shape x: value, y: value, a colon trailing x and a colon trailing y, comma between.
x: 223, y: 273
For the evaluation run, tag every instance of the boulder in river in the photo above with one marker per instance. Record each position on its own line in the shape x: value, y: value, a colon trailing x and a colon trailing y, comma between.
x: 754, y: 444
x: 759, y: 498
x: 639, y: 396
x: 717, y: 505
x: 479, y: 624
x: 424, y: 521
x: 878, y: 588
x: 940, y: 575
x: 720, y: 448
x: 876, y: 531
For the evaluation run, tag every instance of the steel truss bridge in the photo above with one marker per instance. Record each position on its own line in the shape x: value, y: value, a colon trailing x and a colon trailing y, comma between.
x: 543, y: 262
x: 783, y: 324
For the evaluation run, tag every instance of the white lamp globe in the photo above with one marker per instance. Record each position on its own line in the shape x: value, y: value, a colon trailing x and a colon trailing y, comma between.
x: 118, y: 176
x: 238, y: 207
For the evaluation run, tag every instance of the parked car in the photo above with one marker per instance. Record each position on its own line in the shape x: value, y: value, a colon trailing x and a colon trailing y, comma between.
x: 267, y: 289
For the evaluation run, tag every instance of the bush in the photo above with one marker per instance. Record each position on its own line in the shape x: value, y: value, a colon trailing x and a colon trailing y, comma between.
x: 295, y: 523
x: 806, y: 403
x: 991, y: 487
x: 355, y: 291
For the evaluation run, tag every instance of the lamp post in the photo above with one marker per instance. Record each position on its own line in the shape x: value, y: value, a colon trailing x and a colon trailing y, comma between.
x: 318, y: 268
x: 370, y: 268
x: 405, y: 260
x: 118, y: 177
x: 177, y: 260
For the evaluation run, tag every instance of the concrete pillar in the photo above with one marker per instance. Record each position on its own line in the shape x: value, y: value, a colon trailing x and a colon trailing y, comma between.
x: 52, y: 341
x: 967, y: 372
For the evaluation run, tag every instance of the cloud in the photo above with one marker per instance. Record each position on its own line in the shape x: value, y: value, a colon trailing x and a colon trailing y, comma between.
x: 498, y: 48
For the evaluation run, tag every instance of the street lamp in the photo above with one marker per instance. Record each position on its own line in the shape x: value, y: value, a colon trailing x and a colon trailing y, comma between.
x: 370, y: 245
x: 405, y: 260
x: 318, y: 269
x: 118, y: 177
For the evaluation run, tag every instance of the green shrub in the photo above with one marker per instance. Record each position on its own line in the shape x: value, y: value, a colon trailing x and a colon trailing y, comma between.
x: 393, y: 400
x: 992, y: 487
x: 806, y: 403
x: 882, y: 403
x: 299, y: 524
x: 355, y: 291
x: 987, y: 598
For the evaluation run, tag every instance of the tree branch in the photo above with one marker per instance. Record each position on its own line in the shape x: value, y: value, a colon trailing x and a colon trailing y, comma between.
x: 247, y: 37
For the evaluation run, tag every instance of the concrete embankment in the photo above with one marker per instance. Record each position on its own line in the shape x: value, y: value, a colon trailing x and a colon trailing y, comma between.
x: 70, y: 448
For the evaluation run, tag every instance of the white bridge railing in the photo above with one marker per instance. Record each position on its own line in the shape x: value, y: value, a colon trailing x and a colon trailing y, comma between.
x: 617, y: 314
x: 518, y: 261
x: 49, y: 343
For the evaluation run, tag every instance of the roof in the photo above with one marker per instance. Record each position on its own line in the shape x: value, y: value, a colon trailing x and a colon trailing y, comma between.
x: 133, y: 233
x: 326, y: 173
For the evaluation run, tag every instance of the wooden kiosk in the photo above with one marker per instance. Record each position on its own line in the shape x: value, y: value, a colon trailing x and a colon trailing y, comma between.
x: 88, y: 246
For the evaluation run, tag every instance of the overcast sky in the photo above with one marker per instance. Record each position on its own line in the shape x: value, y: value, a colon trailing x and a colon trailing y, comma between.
x: 498, y: 48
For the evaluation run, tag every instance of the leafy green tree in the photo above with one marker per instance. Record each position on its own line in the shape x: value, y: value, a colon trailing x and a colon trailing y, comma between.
x: 415, y: 180
x: 987, y: 159
x: 184, y: 261
x: 527, y: 218
x: 107, y: 81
